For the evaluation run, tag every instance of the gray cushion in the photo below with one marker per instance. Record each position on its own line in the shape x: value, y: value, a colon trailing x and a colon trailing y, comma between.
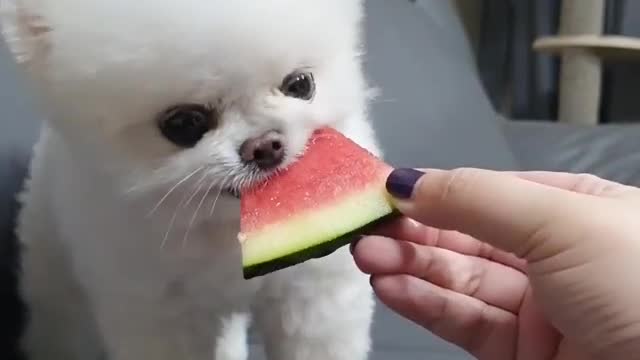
x: 17, y: 133
x: 609, y: 151
x: 433, y: 110
x: 19, y: 120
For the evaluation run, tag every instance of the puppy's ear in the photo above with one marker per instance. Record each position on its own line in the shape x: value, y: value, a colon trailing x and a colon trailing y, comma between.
x: 25, y: 31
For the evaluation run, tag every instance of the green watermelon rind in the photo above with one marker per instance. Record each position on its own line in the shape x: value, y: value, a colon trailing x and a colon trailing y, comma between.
x: 315, y: 252
x: 315, y: 233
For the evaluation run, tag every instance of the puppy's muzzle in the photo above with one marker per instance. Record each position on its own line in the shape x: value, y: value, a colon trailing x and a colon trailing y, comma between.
x: 266, y: 151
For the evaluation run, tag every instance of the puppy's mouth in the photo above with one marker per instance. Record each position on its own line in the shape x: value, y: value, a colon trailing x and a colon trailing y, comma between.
x: 260, y: 165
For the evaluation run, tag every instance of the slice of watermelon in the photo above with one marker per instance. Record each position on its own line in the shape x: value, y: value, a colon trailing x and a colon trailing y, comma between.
x: 315, y: 206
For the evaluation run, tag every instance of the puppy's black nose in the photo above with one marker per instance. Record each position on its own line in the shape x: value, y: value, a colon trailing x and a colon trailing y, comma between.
x: 266, y: 151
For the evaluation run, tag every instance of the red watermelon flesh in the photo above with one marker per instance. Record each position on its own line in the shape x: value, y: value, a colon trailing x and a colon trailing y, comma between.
x: 316, y: 205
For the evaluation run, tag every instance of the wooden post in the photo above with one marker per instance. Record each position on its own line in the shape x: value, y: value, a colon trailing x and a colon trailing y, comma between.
x: 581, y: 71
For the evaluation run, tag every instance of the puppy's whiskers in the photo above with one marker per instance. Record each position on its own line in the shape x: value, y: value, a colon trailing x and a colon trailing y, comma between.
x: 195, y: 213
x: 182, y: 181
x: 199, y: 186
x: 220, y: 188
x: 179, y: 206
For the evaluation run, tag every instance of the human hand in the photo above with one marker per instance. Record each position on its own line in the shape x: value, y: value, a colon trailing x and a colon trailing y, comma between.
x: 550, y: 276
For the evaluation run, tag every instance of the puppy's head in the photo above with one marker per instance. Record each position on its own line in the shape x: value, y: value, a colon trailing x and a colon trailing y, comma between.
x: 161, y: 91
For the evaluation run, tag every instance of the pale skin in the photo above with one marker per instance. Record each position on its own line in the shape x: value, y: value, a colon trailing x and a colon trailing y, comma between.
x: 514, y: 266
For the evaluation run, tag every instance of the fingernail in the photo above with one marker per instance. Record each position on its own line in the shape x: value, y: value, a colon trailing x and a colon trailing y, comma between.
x: 352, y: 246
x: 401, y: 182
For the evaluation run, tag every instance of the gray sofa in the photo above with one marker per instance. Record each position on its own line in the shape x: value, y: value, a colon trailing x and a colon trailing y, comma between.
x: 432, y: 112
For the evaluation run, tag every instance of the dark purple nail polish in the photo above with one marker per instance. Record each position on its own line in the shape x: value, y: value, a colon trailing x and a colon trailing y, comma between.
x: 400, y: 182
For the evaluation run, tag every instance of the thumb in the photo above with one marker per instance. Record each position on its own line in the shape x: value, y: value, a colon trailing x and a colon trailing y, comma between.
x: 506, y: 211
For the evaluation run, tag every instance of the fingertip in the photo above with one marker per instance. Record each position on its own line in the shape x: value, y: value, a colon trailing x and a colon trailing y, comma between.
x: 354, y: 243
x: 400, y: 292
x: 365, y: 253
x: 378, y: 255
x: 385, y: 285
x: 372, y: 281
x: 401, y: 182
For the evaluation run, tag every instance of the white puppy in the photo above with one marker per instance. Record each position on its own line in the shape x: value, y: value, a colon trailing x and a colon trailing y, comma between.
x: 158, y: 111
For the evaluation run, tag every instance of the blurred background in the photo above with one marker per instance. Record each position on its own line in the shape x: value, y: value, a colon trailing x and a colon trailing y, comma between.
x: 525, y: 84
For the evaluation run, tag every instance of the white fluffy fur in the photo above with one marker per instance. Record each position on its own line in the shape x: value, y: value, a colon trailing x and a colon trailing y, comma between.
x: 105, y: 273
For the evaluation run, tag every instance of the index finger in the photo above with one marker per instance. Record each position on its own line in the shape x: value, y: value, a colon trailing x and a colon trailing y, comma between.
x: 581, y: 183
x: 503, y: 210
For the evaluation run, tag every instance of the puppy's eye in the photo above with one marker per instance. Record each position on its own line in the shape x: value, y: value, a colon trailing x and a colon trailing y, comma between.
x: 185, y: 125
x: 299, y: 85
